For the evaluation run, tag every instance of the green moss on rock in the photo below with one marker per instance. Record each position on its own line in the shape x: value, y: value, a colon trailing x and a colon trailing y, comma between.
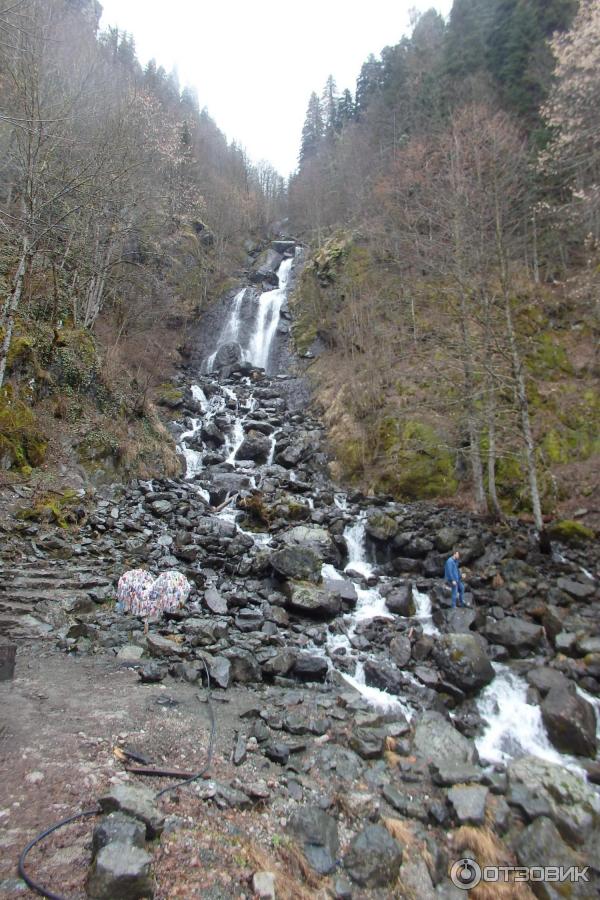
x: 571, y: 532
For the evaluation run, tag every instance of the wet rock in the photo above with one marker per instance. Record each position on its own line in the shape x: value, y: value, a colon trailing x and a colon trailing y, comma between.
x: 317, y: 833
x: 437, y: 741
x: 249, y: 619
x: 544, y: 679
x: 255, y: 446
x: 570, y: 721
x: 138, y: 802
x: 339, y: 762
x: 517, y: 635
x: 309, y: 667
x: 280, y: 664
x: 380, y: 526
x: 311, y: 600
x: 541, y: 788
x: 368, y: 743
x: 468, y: 801
x: 462, y: 658
x: 121, y: 872
x: 446, y: 539
x: 301, y: 563
x: 540, y: 844
x: 400, y: 601
x: 447, y: 774
x: 373, y: 858
x: 277, y: 752
x: 400, y: 650
x: 384, y: 675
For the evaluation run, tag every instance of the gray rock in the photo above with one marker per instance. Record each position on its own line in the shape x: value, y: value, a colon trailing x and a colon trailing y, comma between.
x: 384, y: 675
x: 121, y: 872
x: 215, y: 602
x: 517, y: 635
x: 138, y: 802
x: 446, y: 539
x: 576, y: 589
x: 380, y: 526
x: 570, y: 721
x: 373, y: 858
x: 541, y: 788
x: 301, y: 563
x: 163, y: 647
x: 318, y: 835
x: 368, y: 743
x: 468, y: 801
x: 239, y: 750
x: 400, y: 601
x: 255, y: 446
x: 312, y: 600
x: 400, y: 650
x: 118, y: 827
x: 415, y: 878
x: 311, y: 668
x: 462, y: 659
x: 544, y: 679
x: 281, y: 663
x: 263, y: 885
x: 540, y: 844
x: 130, y: 653
x: 244, y: 666
x: 446, y: 773
x: 219, y: 669
x: 438, y: 741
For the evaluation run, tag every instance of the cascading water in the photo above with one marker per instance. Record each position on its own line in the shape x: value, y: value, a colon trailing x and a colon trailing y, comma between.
x: 267, y: 319
x: 231, y: 329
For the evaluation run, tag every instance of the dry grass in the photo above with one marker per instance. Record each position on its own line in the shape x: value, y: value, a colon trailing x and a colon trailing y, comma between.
x: 486, y: 847
x: 294, y: 879
x: 401, y: 831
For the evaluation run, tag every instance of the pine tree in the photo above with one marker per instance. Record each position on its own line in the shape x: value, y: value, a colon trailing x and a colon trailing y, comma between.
x: 313, y: 130
x: 368, y: 83
x: 329, y: 107
x: 345, y: 109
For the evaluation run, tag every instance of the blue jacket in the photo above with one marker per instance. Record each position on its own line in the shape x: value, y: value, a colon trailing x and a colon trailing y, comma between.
x: 451, y: 570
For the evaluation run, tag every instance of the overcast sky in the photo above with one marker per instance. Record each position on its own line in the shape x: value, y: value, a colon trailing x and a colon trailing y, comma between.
x: 254, y: 64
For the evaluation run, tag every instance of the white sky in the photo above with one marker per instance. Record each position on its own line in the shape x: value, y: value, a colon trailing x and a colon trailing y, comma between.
x: 254, y: 64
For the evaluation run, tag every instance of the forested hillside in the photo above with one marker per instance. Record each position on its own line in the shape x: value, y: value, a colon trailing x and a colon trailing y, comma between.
x: 123, y: 211
x: 451, y: 204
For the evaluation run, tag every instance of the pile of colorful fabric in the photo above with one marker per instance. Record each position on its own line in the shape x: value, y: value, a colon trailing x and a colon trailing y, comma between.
x: 140, y: 594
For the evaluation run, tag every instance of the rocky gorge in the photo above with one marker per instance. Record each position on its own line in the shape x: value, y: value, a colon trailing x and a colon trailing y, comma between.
x: 382, y: 733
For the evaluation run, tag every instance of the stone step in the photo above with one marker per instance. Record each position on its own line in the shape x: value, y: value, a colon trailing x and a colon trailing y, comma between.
x: 58, y: 581
x: 42, y: 595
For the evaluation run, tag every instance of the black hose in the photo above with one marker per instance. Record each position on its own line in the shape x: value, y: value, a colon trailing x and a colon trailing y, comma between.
x: 43, y: 892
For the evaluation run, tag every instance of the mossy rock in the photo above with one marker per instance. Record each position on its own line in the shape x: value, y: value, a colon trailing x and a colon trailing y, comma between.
x: 97, y: 446
x: 169, y: 395
x: 22, y: 444
x: 571, y: 532
x: 53, y: 508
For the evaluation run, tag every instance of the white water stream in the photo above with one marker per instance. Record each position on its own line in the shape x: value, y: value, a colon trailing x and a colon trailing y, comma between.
x: 267, y: 319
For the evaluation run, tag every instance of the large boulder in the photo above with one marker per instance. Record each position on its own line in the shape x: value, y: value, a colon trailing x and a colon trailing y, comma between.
x: 297, y: 562
x: 541, y: 788
x: 463, y: 660
x: 401, y: 601
x: 437, y: 741
x: 227, y: 358
x: 255, y: 446
x: 519, y: 636
x: 383, y: 675
x: 570, y: 721
x: 380, y: 526
x: 374, y: 857
x: 315, y: 537
x: 540, y: 844
x: 311, y: 600
x: 317, y: 833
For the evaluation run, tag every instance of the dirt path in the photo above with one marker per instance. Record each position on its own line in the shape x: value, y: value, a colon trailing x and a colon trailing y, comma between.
x: 61, y: 717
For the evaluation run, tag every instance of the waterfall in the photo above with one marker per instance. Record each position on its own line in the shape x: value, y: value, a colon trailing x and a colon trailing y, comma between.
x: 231, y: 329
x: 267, y: 320
x: 354, y: 535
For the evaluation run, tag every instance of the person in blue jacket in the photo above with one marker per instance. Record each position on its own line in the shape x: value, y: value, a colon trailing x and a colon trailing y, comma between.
x: 453, y: 577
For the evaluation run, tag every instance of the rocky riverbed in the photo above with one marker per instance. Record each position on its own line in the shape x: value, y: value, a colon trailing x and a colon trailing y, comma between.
x: 367, y: 734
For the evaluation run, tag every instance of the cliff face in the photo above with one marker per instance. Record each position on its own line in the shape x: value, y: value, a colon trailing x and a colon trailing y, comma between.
x: 385, y: 357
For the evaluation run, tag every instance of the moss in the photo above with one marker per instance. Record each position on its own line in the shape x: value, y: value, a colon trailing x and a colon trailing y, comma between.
x: 22, y: 443
x: 97, y: 446
x: 571, y: 532
x: 555, y: 447
x: 169, y: 395
x: 417, y: 463
x: 51, y: 507
x: 548, y: 357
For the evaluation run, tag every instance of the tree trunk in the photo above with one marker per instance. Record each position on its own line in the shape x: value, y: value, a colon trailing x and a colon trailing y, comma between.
x: 472, y: 425
x: 11, y: 307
